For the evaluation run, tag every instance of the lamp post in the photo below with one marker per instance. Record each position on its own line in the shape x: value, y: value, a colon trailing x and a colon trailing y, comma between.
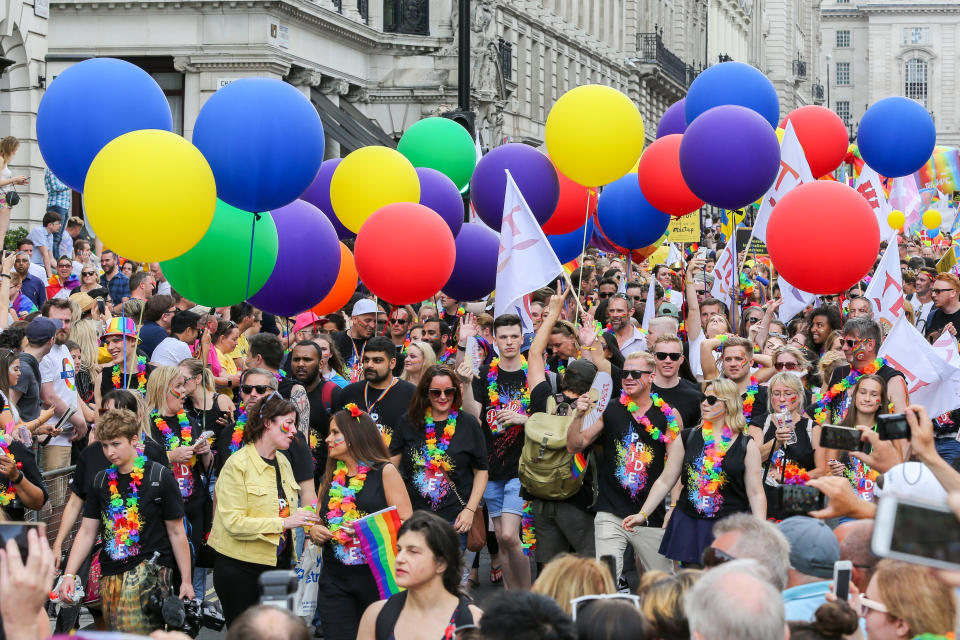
x: 829, y: 58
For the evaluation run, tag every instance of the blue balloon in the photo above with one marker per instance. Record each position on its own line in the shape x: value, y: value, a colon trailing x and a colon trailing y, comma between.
x: 475, y: 270
x: 896, y: 136
x: 90, y: 104
x: 626, y: 217
x: 263, y: 140
x: 933, y: 233
x: 732, y: 83
x: 568, y: 246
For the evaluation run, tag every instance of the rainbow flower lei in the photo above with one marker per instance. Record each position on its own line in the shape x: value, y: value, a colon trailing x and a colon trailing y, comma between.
x: 435, y: 452
x: 448, y: 353
x: 822, y: 400
x: 460, y: 312
x: 141, y: 376
x: 342, y: 506
x: 861, y: 477
x: 705, y: 476
x: 528, y: 534
x: 794, y: 473
x: 171, y: 440
x: 236, y: 438
x: 494, y: 394
x: 746, y: 285
x: 752, y: 389
x: 121, y: 522
x: 673, y: 425
x: 10, y: 493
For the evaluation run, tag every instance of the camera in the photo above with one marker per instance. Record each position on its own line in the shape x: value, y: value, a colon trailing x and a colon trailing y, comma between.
x: 893, y: 426
x: 277, y: 588
x: 797, y: 500
x: 170, y: 613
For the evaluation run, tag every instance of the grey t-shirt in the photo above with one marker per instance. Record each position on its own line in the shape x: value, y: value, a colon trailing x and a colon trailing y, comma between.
x: 29, y: 387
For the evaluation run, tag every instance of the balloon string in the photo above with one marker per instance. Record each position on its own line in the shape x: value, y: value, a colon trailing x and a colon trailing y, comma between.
x: 253, y: 231
x: 583, y: 248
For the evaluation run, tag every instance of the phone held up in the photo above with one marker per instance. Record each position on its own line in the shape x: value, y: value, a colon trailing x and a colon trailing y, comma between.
x: 917, y: 532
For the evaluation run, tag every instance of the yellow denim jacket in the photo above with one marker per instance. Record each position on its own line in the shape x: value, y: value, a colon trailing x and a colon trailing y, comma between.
x: 246, y: 525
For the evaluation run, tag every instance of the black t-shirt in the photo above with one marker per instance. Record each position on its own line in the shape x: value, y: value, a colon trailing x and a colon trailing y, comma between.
x: 503, y: 445
x: 15, y: 510
x: 429, y: 490
x: 189, y: 476
x: 840, y: 403
x: 298, y: 454
x: 159, y: 502
x: 386, y: 409
x: 733, y: 493
x: 684, y: 398
x: 129, y: 381
x: 630, y: 461
x: 28, y: 385
x: 284, y: 548
x: 351, y: 349
x: 941, y: 319
x: 320, y: 423
x: 92, y: 460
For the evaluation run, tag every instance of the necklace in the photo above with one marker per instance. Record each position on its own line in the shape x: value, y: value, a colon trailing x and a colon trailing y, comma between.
x: 171, y: 440
x: 382, y: 394
x: 121, y: 522
x: 705, y: 476
x: 7, y: 495
x: 673, y: 425
x: 448, y: 353
x: 236, y: 438
x: 141, y: 376
x: 494, y: 395
x: 793, y: 473
x: 342, y: 506
x: 752, y: 389
x: 434, y: 458
x: 822, y: 400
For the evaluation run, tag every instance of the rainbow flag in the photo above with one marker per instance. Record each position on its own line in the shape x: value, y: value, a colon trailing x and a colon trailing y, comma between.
x: 579, y: 465
x: 378, y: 539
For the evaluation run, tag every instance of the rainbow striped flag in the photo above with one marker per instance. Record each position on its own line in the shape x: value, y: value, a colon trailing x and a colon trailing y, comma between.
x: 378, y: 539
x: 579, y: 465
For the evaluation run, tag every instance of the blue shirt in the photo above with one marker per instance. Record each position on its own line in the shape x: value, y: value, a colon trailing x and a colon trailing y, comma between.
x: 41, y: 238
x: 119, y: 287
x: 58, y: 194
x: 802, y: 602
x: 151, y: 334
x: 34, y: 288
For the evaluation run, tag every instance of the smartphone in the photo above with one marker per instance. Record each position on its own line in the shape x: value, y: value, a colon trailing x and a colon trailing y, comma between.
x: 64, y: 424
x: 842, y: 575
x: 17, y: 531
x: 836, y: 437
x: 101, y: 306
x: 796, y: 500
x: 918, y: 532
x: 893, y: 426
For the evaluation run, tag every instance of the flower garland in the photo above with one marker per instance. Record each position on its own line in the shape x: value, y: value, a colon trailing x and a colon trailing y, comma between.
x: 705, y: 476
x: 141, y: 376
x: 435, y: 453
x: 822, y: 400
x: 342, y: 506
x: 528, y: 534
x: 494, y: 395
x: 794, y: 474
x: 861, y: 477
x: 9, y: 494
x: 673, y: 425
x: 460, y: 312
x: 448, y: 353
x: 236, y: 438
x: 752, y: 390
x: 746, y: 285
x: 171, y: 440
x: 121, y: 522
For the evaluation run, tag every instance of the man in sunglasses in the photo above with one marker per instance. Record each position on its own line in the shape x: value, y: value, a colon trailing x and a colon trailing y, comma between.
x: 398, y: 325
x: 608, y: 287
x: 629, y: 337
x: 684, y: 396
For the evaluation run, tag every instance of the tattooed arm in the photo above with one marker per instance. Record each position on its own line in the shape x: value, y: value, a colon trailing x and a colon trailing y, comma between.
x: 298, y: 396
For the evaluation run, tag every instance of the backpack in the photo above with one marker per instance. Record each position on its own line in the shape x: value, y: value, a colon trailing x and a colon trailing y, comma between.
x: 100, y: 481
x: 546, y: 467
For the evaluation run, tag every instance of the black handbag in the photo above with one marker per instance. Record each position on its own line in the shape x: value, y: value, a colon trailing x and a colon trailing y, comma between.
x: 12, y: 197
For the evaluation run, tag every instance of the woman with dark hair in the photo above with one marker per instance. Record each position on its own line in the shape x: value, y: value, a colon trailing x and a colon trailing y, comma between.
x: 358, y: 480
x: 611, y: 349
x: 332, y: 366
x: 607, y: 618
x: 257, y: 500
x: 429, y: 568
x: 9, y: 416
x: 823, y: 321
x: 226, y: 376
x: 441, y: 452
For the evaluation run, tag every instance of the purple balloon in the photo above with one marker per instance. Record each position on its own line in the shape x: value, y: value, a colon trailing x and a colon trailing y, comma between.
x: 439, y: 193
x: 318, y: 194
x: 475, y: 270
x: 532, y: 171
x: 729, y: 156
x: 308, y: 261
x: 674, y: 120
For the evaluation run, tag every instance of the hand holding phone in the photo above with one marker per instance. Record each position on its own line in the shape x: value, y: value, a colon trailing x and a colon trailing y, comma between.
x: 842, y: 576
x: 845, y: 438
x: 893, y: 426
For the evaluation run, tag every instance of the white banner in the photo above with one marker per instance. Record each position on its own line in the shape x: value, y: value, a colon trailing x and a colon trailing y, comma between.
x: 946, y: 348
x: 931, y: 380
x: 885, y: 291
x: 794, y: 300
x: 905, y: 196
x: 725, y: 278
x: 869, y: 186
x: 794, y: 171
x: 649, y: 311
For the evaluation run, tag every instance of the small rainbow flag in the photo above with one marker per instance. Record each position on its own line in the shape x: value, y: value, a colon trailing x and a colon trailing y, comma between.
x: 378, y: 539
x: 579, y: 465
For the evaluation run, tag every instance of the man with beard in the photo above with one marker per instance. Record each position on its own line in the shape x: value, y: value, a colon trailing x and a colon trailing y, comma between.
x: 439, y: 335
x: 352, y: 342
x: 265, y: 351
x: 398, y: 325
x: 736, y: 356
x: 629, y: 337
x: 922, y: 298
x: 305, y: 365
x: 682, y: 395
x: 113, y: 279
x: 381, y: 394
x: 31, y: 286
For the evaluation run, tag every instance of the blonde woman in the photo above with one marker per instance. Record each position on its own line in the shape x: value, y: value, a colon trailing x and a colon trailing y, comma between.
x: 729, y: 484
x: 420, y: 357
x: 789, y: 359
x: 568, y: 576
x: 8, y: 148
x: 84, y: 334
x: 661, y: 603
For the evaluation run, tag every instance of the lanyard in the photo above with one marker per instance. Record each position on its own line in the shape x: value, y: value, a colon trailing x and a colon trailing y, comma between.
x: 385, y: 391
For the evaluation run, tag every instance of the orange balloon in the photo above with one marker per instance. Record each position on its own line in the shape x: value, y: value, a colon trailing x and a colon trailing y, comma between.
x: 343, y: 288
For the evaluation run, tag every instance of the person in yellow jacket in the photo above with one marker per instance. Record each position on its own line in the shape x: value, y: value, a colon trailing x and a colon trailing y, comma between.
x: 257, y: 506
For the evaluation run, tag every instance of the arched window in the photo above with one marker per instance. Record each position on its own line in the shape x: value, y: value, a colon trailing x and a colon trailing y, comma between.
x: 915, y: 80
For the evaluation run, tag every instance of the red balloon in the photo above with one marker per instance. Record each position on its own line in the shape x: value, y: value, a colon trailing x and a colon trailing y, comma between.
x: 822, y: 135
x: 661, y: 180
x: 343, y: 288
x: 575, y: 204
x: 405, y: 253
x: 823, y: 237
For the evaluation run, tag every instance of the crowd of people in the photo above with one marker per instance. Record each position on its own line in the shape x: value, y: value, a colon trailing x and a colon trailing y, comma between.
x: 624, y: 467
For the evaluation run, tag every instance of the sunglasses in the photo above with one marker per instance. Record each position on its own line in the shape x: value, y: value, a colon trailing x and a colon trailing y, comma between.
x: 260, y: 388
x: 852, y: 343
x: 711, y: 399
x: 753, y: 320
x: 88, y: 273
x: 789, y: 366
x: 866, y: 605
x: 663, y: 355
x: 932, y: 290
x: 398, y: 321
x: 713, y: 557
x: 636, y: 374
x: 603, y: 295
x: 578, y: 603
x: 440, y: 393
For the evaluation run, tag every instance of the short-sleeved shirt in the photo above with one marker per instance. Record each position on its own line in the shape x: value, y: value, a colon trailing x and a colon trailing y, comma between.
x: 941, y: 319
x: 92, y: 460
x: 118, y: 286
x: 170, y: 352
x: 503, y: 445
x: 684, y: 397
x: 15, y: 511
x: 34, y: 288
x: 386, y: 409
x: 57, y: 368
x: 158, y: 503
x: 41, y: 238
x: 151, y: 334
x: 29, y: 387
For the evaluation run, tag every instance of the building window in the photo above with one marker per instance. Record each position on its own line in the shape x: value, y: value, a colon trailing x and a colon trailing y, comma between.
x: 407, y: 16
x: 843, y: 38
x: 843, y: 110
x: 915, y: 86
x: 916, y: 35
x: 506, y: 58
x: 843, y: 73
x: 843, y: 1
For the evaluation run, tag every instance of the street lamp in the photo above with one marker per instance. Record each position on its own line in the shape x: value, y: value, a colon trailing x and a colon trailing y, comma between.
x: 829, y: 58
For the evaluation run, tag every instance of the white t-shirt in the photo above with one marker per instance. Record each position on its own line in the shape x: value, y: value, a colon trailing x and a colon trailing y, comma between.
x: 57, y: 367
x: 163, y: 288
x: 170, y: 352
x: 38, y: 271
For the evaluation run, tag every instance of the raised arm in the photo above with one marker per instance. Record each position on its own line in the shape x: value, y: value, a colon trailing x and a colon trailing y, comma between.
x: 693, y: 304
x: 536, y: 365
x: 707, y: 362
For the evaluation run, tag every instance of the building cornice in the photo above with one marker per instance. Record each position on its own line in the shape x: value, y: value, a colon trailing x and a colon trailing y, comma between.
x: 876, y: 8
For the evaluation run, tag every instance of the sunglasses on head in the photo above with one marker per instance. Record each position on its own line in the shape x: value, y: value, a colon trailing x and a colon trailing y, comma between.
x: 438, y: 393
x: 636, y: 374
x: 663, y: 355
x: 713, y: 557
x: 260, y: 388
x: 789, y: 366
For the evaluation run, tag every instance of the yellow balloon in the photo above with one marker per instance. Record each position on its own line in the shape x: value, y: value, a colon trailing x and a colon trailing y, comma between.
x: 369, y: 179
x: 896, y: 219
x: 780, y: 132
x: 594, y: 134
x: 150, y: 195
x: 932, y: 219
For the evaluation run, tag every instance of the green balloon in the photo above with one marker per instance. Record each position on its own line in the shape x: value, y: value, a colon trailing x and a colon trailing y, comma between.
x: 214, y: 272
x: 441, y: 144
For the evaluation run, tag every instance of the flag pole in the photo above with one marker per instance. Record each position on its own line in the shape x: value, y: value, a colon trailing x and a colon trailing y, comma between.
x: 583, y: 249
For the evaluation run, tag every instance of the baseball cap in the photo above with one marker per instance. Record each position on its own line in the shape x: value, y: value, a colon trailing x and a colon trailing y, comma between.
x: 363, y: 306
x: 813, y: 547
x: 667, y: 309
x: 42, y: 329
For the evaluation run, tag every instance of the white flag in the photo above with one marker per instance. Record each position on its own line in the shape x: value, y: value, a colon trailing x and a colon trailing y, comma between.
x: 905, y: 196
x: 931, y: 380
x: 649, y: 309
x: 946, y: 347
x: 526, y: 261
x: 794, y: 171
x: 869, y: 186
x: 724, y: 275
x: 885, y: 291
x: 674, y: 255
x: 794, y: 300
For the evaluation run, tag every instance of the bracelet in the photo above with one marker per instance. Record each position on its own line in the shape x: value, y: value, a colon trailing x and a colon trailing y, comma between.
x: 5, y: 275
x: 645, y: 516
x: 460, y: 347
x: 19, y: 479
x: 469, y: 509
x: 589, y: 348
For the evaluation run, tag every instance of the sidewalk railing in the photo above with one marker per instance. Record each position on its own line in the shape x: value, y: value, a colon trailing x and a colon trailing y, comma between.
x: 57, y: 481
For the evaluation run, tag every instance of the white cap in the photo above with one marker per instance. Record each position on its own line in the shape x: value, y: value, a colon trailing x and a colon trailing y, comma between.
x: 912, y: 480
x: 363, y: 306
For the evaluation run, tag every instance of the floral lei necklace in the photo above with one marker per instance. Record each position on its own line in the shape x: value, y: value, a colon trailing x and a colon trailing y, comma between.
x: 752, y: 389
x: 705, y: 476
x: 236, y: 438
x: 673, y: 425
x: 494, y: 394
x: 122, y: 519
x: 435, y: 452
x: 7, y: 495
x: 141, y: 376
x: 172, y: 441
x: 342, y: 506
x: 822, y: 400
x: 793, y: 473
x: 448, y: 353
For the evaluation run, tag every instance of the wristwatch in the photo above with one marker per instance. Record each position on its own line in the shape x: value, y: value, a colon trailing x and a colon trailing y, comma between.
x: 19, y: 479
